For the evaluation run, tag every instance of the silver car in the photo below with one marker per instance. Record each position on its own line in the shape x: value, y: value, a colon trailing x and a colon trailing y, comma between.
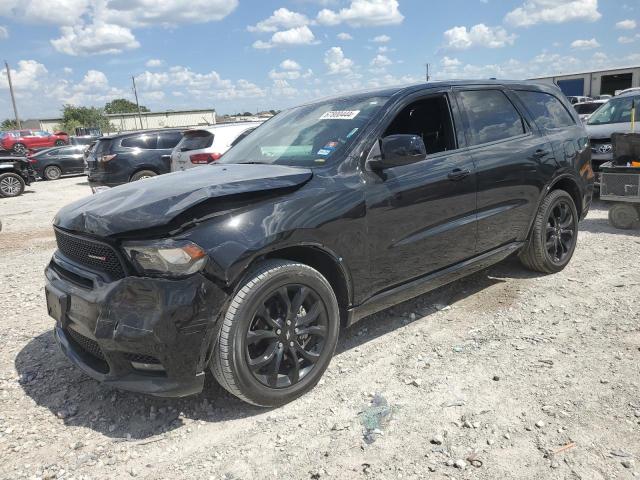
x: 202, y: 146
x: 613, y: 117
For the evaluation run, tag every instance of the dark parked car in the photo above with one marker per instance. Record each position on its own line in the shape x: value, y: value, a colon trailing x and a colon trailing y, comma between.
x: 128, y: 157
x: 52, y: 163
x: 325, y: 214
x: 15, y: 173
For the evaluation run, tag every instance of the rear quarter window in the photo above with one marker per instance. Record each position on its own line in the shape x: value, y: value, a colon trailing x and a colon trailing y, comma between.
x: 196, y: 141
x: 169, y: 139
x: 547, y: 111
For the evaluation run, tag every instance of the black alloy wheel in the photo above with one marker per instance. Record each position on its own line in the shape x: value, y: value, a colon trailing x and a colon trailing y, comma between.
x: 286, y: 336
x: 561, y: 232
x: 20, y: 148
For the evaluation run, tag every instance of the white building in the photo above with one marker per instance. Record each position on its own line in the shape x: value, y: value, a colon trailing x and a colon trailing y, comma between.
x: 598, y: 82
x: 148, y: 120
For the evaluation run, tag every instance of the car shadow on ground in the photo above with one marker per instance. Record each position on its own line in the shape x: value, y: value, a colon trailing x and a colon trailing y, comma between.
x: 51, y: 381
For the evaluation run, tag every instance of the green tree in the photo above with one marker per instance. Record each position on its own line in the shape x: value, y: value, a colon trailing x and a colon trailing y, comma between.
x: 122, y: 105
x: 73, y: 117
x: 9, y: 124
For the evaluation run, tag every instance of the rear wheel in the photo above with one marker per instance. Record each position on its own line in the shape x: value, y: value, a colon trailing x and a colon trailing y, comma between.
x: 11, y: 185
x: 60, y: 143
x: 624, y: 215
x: 52, y: 172
x: 142, y: 174
x: 20, y: 148
x: 278, y: 335
x: 553, y: 236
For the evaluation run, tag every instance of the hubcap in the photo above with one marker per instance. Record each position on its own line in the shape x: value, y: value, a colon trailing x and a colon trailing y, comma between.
x: 53, y: 173
x: 560, y: 232
x: 286, y: 336
x: 10, y: 186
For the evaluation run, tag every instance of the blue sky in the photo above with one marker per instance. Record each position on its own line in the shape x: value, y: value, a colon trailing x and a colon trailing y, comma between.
x: 237, y: 55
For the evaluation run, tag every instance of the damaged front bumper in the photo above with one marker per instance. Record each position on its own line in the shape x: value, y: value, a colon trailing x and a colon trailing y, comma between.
x: 147, y: 335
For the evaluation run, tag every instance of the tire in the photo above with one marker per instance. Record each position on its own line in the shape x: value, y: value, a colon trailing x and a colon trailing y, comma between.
x: 52, y: 172
x: 551, y: 243
x: 59, y: 143
x: 11, y: 185
x: 19, y: 148
x: 142, y: 174
x: 260, y: 296
x: 624, y: 216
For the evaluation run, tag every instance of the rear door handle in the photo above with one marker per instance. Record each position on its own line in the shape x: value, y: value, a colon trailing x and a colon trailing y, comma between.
x: 540, y: 153
x: 458, y: 174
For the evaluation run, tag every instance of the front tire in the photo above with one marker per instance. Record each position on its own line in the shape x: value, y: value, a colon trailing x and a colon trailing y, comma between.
x: 278, y: 335
x: 11, y: 185
x: 52, y: 172
x: 142, y: 174
x: 554, y: 234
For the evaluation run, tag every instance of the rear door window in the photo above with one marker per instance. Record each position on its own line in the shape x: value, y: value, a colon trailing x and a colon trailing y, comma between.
x: 145, y: 141
x: 491, y: 116
x: 169, y: 139
x: 547, y: 111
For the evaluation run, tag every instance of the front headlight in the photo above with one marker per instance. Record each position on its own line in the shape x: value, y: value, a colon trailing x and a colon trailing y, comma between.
x: 167, y: 258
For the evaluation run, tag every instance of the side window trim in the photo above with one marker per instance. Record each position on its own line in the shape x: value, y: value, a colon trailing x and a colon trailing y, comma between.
x: 465, y: 119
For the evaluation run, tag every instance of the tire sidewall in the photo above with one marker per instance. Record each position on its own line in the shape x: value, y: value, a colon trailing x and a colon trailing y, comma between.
x: 560, y: 196
x: 248, y: 384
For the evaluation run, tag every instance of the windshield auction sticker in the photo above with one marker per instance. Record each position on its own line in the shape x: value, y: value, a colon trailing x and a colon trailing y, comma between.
x: 340, y: 115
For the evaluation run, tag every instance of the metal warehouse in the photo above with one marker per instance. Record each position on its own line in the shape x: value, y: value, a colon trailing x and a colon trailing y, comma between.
x: 599, y: 82
x: 146, y: 120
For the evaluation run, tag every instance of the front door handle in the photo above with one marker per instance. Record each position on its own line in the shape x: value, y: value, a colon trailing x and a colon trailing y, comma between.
x: 540, y: 153
x: 458, y: 174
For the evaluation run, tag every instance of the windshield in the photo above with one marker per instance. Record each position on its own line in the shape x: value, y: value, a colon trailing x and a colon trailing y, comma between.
x: 310, y: 135
x: 617, y: 110
x: 587, y: 108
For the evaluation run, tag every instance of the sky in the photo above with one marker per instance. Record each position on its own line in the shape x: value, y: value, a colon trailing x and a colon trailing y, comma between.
x: 251, y: 55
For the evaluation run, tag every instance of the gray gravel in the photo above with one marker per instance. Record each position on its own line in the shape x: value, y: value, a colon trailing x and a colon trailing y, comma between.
x: 506, y: 374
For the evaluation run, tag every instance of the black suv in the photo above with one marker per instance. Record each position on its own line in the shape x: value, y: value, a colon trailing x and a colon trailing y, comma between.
x: 323, y: 215
x: 128, y: 157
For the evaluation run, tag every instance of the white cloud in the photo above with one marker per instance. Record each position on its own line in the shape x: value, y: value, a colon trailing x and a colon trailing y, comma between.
x: 585, y: 44
x: 289, y: 64
x: 450, y: 62
x: 154, y: 62
x: 625, y: 40
x: 344, y: 36
x: 381, y: 39
x: 380, y: 61
x: 67, y: 70
x: 336, y: 62
x: 292, y: 37
x: 480, y: 35
x: 28, y: 75
x: 57, y: 12
x: 4, y: 32
x: 94, y: 39
x: 282, y: 18
x: 626, y: 24
x: 363, y: 13
x: 533, y: 12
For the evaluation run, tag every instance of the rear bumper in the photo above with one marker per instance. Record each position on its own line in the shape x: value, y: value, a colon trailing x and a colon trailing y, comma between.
x: 147, y: 335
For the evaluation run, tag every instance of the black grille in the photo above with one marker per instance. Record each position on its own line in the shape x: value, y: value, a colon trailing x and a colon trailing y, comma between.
x: 139, y: 358
x: 96, y: 255
x: 88, y: 345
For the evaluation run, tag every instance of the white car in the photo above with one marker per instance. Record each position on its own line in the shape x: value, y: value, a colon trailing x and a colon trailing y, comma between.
x: 585, y: 109
x: 202, y: 146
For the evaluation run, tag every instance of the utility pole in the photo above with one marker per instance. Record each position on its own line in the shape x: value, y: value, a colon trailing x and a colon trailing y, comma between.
x: 428, y: 76
x: 135, y: 92
x: 13, y: 97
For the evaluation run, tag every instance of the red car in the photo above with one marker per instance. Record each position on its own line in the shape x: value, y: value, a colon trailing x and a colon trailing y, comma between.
x: 20, y: 141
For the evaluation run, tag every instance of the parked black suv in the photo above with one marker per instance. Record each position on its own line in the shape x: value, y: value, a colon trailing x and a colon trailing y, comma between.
x: 128, y: 157
x: 323, y: 215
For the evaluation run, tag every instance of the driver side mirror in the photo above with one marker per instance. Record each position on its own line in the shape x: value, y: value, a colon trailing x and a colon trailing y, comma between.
x: 397, y: 150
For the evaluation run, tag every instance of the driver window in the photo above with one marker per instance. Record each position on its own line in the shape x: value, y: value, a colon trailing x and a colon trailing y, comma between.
x: 430, y: 118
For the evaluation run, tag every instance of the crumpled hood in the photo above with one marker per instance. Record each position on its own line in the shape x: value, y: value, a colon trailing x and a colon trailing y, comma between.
x: 156, y: 201
x: 605, y: 131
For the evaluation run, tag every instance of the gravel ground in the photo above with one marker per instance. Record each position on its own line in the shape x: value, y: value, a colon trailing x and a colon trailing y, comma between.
x: 490, y: 377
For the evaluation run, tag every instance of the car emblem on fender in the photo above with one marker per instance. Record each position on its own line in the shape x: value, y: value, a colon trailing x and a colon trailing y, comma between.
x: 96, y: 257
x: 605, y: 148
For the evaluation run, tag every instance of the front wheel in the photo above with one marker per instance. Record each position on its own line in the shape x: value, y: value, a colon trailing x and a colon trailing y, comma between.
x: 624, y: 215
x: 11, y: 185
x: 554, y: 234
x: 278, y: 335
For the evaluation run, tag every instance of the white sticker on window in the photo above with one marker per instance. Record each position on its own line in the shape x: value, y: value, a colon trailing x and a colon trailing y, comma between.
x: 340, y: 115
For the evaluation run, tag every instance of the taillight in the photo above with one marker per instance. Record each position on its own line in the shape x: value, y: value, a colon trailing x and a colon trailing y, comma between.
x: 106, y: 158
x: 202, y: 158
x: 32, y: 160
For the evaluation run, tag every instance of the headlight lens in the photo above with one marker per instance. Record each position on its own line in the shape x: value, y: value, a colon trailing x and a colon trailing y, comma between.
x: 166, y: 257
